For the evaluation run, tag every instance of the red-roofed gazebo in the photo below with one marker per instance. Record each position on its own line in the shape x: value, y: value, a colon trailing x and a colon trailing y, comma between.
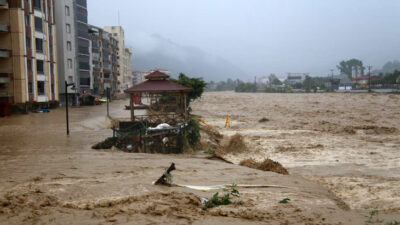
x: 162, y: 92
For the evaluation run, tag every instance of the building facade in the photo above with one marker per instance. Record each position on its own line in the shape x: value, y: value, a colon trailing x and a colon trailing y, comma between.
x: 73, y: 44
x: 127, y: 79
x: 296, y: 78
x: 124, y: 55
x: 139, y: 76
x: 28, y: 62
x: 104, y: 58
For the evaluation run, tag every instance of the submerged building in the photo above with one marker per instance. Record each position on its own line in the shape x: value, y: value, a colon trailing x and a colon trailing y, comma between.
x: 28, y: 62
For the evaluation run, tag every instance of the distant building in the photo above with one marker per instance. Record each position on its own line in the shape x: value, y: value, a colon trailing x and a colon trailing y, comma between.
x: 139, y: 76
x: 124, y: 55
x: 127, y: 79
x: 296, y: 78
x: 364, y: 80
x: 28, y: 63
x: 104, y: 61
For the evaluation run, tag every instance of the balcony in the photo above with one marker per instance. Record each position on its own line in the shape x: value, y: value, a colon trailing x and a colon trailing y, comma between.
x: 107, y: 67
x: 4, y: 28
x: 4, y: 53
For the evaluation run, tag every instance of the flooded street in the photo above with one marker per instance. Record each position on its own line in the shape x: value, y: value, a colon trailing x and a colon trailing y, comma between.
x: 49, y: 178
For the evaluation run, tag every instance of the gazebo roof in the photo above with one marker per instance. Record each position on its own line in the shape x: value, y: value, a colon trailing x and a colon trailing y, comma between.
x: 157, y: 75
x: 157, y: 82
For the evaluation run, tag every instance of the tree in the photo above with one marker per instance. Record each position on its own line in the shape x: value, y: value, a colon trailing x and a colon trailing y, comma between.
x: 197, y: 84
x: 273, y: 80
x: 346, y: 66
x: 308, y: 83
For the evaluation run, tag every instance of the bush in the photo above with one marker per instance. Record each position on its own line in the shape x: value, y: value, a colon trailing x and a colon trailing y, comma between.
x: 193, y: 132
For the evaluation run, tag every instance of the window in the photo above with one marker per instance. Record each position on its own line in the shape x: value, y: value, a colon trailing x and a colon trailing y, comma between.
x: 27, y: 20
x: 39, y: 45
x: 28, y: 43
x: 68, y: 28
x: 69, y: 79
x: 69, y: 63
x: 30, y: 88
x: 69, y: 46
x: 37, y: 4
x: 67, y: 13
x: 40, y: 85
x: 85, y: 81
x: 40, y: 66
x: 38, y: 24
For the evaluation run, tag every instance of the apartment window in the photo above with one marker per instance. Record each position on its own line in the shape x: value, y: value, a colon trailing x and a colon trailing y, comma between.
x: 37, y: 4
x: 67, y: 12
x: 69, y: 63
x: 68, y: 28
x: 40, y: 66
x: 69, y: 46
x: 39, y: 45
x: 27, y: 21
x: 30, y: 88
x: 38, y: 24
x: 85, y: 81
x: 40, y: 85
x: 28, y: 43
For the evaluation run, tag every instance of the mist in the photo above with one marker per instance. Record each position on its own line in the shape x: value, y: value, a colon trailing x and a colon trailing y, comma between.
x: 243, y: 39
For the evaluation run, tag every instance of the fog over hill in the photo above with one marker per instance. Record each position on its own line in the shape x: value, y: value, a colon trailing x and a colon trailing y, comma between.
x: 155, y: 51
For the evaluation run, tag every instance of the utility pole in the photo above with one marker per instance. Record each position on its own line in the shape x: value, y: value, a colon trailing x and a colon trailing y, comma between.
x: 108, y: 100
x: 66, y: 102
x: 369, y: 78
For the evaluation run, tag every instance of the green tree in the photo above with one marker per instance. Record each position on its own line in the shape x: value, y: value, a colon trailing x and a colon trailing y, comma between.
x: 346, y: 66
x: 245, y: 87
x: 197, y: 84
x: 273, y: 80
x: 308, y: 83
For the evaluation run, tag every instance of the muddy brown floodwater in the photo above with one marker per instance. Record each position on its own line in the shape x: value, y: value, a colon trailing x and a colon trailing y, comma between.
x: 347, y: 146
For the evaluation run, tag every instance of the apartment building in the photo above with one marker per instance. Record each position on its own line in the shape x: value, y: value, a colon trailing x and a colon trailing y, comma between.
x: 139, y: 76
x: 28, y: 66
x: 124, y: 55
x: 105, y: 63
x: 127, y: 79
x: 74, y: 48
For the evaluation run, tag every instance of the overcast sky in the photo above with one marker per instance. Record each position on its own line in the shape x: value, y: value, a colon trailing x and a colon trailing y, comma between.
x: 264, y: 36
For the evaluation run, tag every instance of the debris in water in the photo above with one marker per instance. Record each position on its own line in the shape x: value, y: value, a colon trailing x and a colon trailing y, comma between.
x: 166, y: 178
x: 266, y: 165
x: 263, y: 120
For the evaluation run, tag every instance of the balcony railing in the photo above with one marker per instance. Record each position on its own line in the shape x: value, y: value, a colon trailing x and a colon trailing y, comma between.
x: 107, y: 66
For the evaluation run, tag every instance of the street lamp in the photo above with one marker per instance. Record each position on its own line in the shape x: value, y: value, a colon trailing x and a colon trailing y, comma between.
x: 66, y: 102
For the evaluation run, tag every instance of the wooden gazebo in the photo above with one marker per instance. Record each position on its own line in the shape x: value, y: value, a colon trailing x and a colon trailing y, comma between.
x: 156, y: 87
